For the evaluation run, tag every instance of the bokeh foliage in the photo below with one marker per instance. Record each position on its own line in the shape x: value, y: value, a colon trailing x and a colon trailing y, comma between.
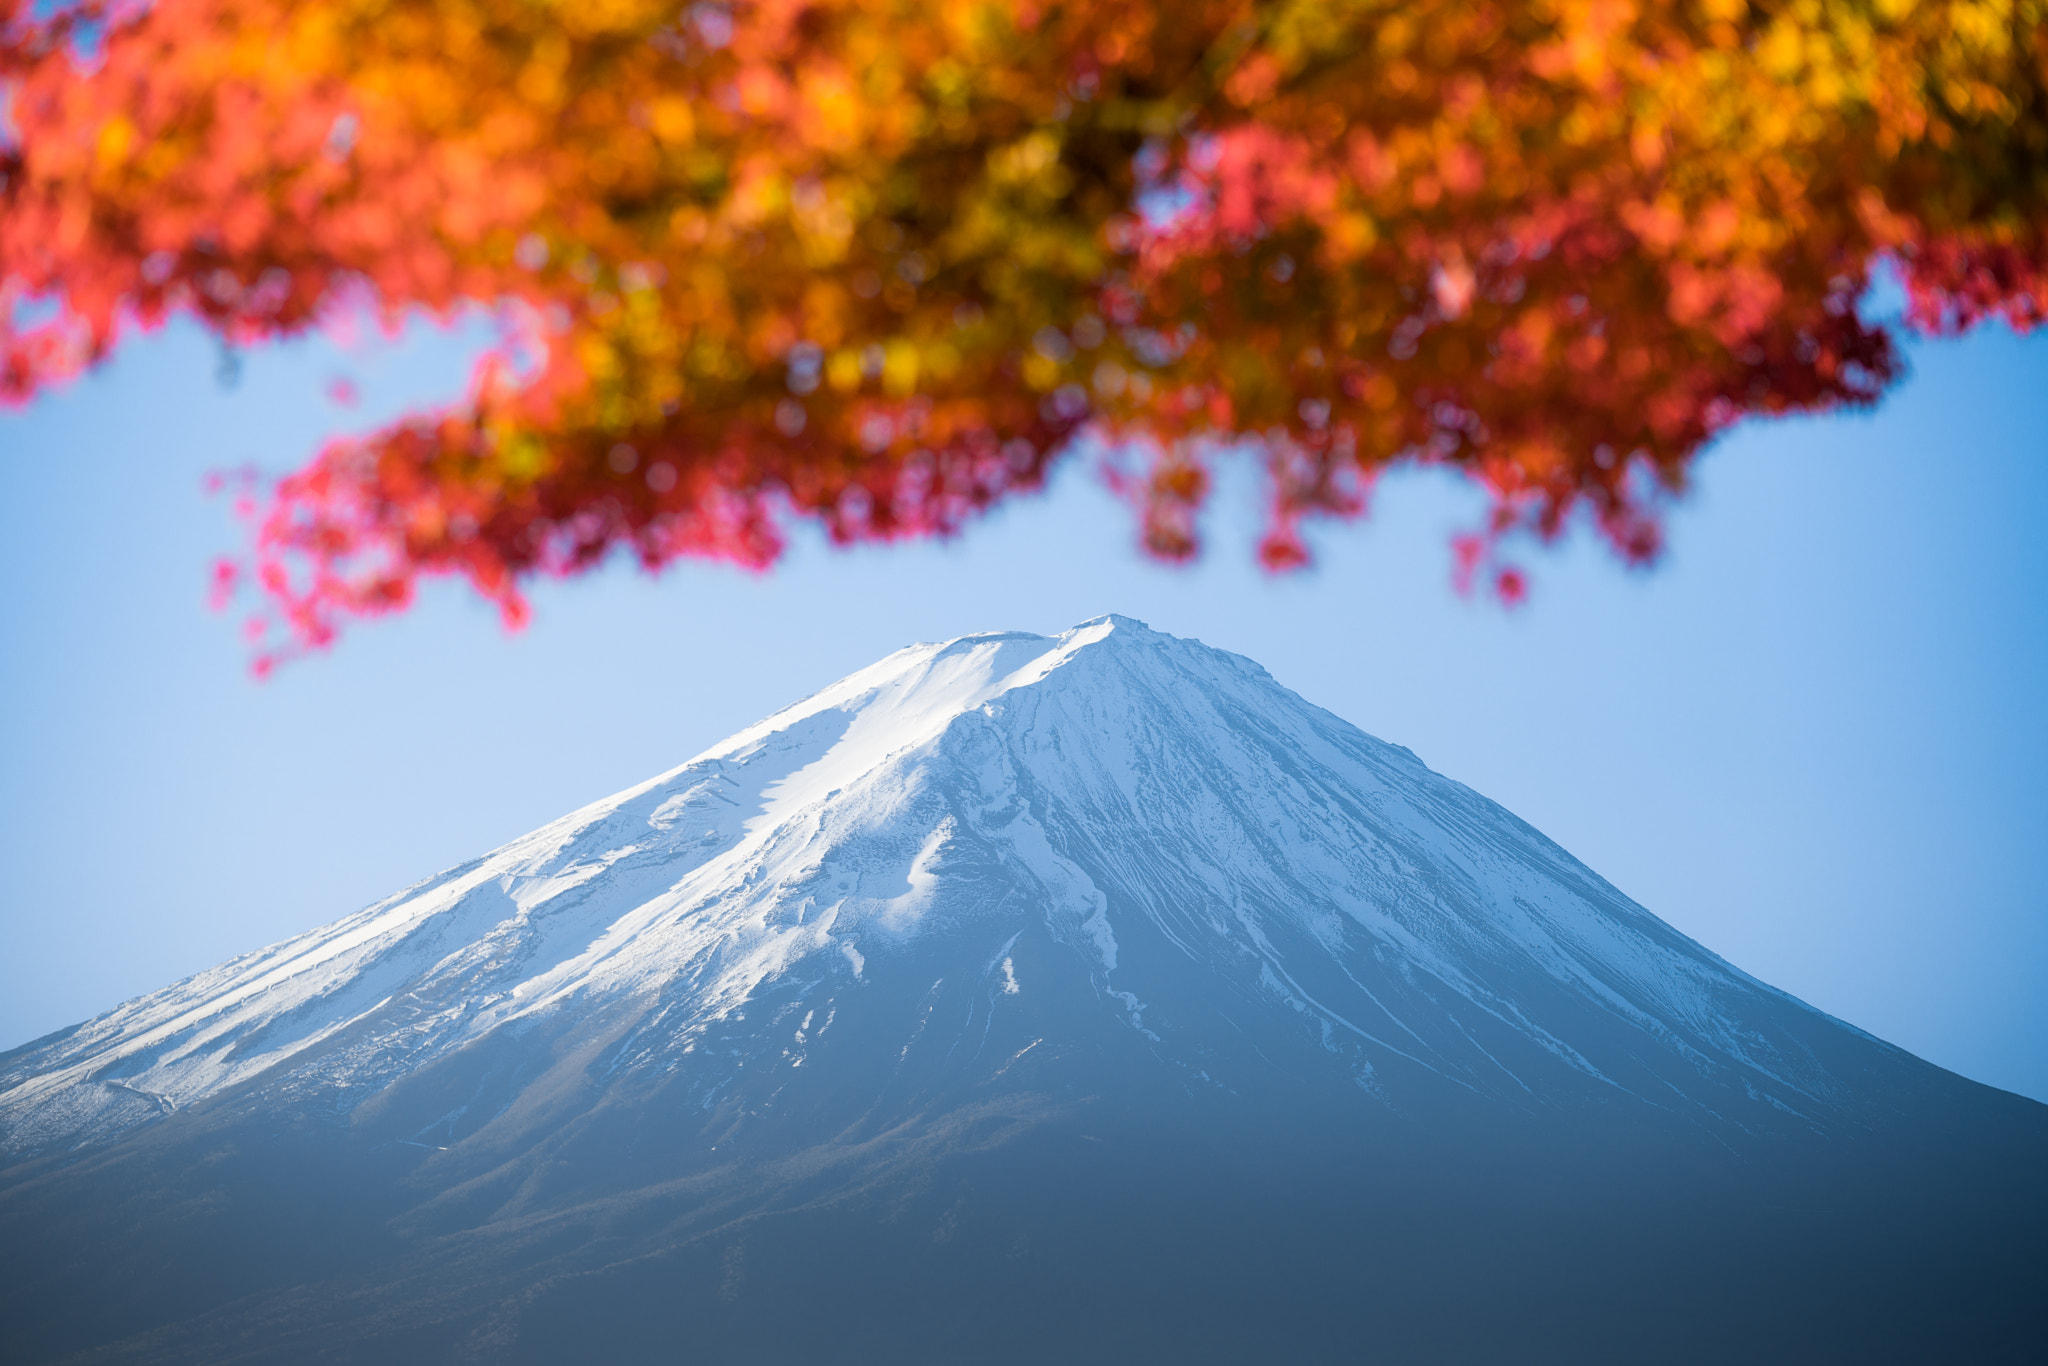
x: 879, y: 262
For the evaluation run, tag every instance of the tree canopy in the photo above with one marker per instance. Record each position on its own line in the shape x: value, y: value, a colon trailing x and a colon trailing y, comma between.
x: 879, y: 262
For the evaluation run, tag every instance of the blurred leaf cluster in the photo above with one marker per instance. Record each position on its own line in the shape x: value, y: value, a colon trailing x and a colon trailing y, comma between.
x: 878, y: 262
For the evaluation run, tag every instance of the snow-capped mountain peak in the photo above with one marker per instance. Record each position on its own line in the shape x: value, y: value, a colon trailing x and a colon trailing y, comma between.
x: 1112, y: 836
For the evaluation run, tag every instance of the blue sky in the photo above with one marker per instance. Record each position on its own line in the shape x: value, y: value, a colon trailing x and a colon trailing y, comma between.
x: 1813, y: 738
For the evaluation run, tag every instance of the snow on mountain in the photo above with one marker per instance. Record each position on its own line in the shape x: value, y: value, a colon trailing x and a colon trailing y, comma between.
x: 988, y: 844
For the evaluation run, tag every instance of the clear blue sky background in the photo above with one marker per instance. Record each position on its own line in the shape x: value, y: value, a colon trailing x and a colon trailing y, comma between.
x: 1813, y: 739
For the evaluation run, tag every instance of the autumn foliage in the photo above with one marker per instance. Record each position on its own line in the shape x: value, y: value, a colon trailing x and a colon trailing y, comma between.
x: 878, y: 262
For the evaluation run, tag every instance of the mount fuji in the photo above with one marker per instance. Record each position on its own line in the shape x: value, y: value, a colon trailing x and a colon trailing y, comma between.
x: 1015, y: 998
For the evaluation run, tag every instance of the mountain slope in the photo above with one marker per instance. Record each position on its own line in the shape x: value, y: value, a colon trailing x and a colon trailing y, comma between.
x: 1110, y: 913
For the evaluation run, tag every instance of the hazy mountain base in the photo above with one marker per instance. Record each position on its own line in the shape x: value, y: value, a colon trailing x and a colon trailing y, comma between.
x: 1017, y: 1217
x: 1058, y: 1244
